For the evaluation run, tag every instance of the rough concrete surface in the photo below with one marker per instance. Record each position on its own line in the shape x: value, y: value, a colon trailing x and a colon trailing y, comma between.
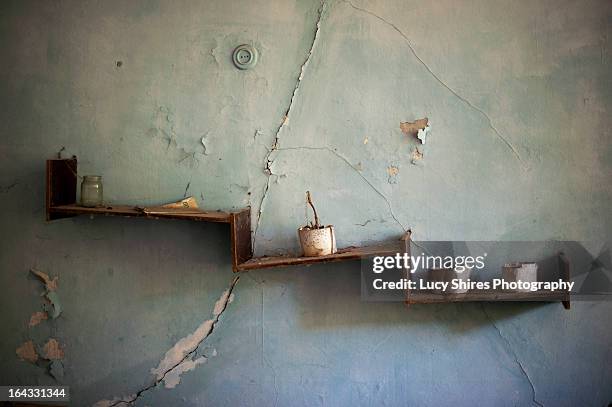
x: 518, y: 97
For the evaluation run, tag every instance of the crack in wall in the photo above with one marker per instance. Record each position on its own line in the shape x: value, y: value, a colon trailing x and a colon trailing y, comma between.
x: 267, y: 160
x: 441, y: 82
x: 511, y: 350
x: 354, y: 168
x: 172, y: 366
x: 7, y: 188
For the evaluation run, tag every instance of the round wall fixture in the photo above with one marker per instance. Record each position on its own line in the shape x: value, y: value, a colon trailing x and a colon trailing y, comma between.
x: 245, y: 56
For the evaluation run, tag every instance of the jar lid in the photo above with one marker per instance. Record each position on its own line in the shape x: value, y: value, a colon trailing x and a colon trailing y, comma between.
x: 92, y: 177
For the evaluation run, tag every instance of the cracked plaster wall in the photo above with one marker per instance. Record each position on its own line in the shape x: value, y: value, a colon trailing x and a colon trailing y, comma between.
x: 144, y: 93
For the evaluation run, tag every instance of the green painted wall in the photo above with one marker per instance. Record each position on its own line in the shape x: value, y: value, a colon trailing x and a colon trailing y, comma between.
x: 144, y: 93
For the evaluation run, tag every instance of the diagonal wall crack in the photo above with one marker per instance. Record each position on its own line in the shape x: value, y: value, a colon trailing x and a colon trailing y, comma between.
x: 267, y: 158
x: 511, y: 350
x: 441, y: 82
x: 367, y: 181
x: 219, y: 309
x: 7, y: 188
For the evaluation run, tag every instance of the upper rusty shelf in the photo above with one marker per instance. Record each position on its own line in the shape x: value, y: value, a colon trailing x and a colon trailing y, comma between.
x: 129, y: 211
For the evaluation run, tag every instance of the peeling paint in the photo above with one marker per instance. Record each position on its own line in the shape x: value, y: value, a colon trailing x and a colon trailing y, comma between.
x: 27, y: 352
x: 422, y: 134
x: 188, y: 344
x: 442, y: 83
x: 213, y: 53
x: 412, y: 128
x: 203, y: 141
x: 50, y: 283
x: 362, y: 81
x: 173, y: 378
x: 416, y: 156
x: 181, y: 356
x: 52, y: 350
x: 182, y: 348
x: 53, y: 306
x: 37, y: 317
x: 392, y: 170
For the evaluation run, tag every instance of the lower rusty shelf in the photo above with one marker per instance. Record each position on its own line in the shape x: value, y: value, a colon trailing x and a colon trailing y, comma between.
x: 348, y: 253
x: 428, y: 297
x: 423, y: 297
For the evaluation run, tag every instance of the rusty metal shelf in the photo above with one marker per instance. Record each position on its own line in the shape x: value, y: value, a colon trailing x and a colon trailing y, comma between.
x: 428, y: 297
x: 131, y: 211
x: 348, y: 253
x: 416, y: 297
x: 61, y: 203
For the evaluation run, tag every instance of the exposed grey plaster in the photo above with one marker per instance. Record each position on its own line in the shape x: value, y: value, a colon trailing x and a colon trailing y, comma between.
x: 203, y: 141
x: 274, y: 147
x: 173, y: 377
x: 181, y: 357
x: 511, y: 350
x: 441, y: 82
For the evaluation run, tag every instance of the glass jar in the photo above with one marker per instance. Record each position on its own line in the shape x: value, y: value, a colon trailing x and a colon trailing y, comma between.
x: 91, y: 191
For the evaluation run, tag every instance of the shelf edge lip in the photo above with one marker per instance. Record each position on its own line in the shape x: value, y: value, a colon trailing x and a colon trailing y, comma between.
x: 290, y: 261
x: 476, y: 297
x: 208, y: 216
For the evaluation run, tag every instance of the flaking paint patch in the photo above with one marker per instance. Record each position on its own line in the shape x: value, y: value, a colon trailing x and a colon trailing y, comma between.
x: 416, y: 156
x: 182, y: 348
x: 188, y: 344
x: 52, y: 350
x: 203, y: 141
x: 27, y: 352
x: 423, y: 133
x: 392, y: 170
x: 37, y: 317
x: 179, y: 348
x: 54, y: 304
x: 50, y: 294
x: 173, y: 378
x: 50, y: 283
x: 412, y: 128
